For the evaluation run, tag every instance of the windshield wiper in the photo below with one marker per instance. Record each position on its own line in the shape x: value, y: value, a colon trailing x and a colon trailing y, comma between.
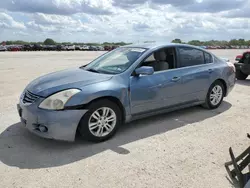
x: 93, y: 70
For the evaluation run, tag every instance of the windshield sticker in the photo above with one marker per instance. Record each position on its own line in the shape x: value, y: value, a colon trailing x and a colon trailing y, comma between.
x: 137, y: 50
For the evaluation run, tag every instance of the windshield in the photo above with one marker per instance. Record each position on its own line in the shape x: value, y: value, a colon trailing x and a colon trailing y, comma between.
x: 116, y: 61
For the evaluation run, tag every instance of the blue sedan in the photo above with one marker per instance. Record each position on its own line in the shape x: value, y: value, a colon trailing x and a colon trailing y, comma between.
x: 128, y: 83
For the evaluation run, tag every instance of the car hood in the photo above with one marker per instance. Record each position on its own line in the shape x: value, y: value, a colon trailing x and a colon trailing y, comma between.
x: 65, y: 79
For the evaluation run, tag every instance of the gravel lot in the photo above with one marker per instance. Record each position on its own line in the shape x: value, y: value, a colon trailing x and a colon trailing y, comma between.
x: 185, y: 148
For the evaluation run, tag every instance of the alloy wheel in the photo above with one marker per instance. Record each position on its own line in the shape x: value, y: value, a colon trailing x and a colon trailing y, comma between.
x: 102, y: 122
x: 216, y: 95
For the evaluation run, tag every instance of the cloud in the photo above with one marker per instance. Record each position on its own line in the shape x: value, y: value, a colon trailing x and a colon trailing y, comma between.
x: 20, y: 33
x: 46, y: 19
x: 57, y: 23
x: 242, y: 12
x: 124, y: 20
x: 8, y: 22
x: 186, y: 5
x: 128, y: 3
x: 38, y: 27
x: 141, y: 26
x: 61, y: 7
x: 213, y: 5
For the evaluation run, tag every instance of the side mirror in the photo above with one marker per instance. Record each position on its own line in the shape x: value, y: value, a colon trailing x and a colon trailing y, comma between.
x: 144, y: 70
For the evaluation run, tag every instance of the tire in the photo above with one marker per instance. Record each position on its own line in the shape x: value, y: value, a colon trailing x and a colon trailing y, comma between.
x: 84, y: 128
x: 240, y: 75
x: 210, y: 104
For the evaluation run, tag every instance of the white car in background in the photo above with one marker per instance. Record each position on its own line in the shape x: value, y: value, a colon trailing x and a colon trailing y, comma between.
x: 3, y: 48
x: 82, y: 48
x: 69, y: 47
x: 85, y: 47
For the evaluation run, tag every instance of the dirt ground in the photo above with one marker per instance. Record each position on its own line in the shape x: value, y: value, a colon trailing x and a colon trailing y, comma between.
x: 185, y: 148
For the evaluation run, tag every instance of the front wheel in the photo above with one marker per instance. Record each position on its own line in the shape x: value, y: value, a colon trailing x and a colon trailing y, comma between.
x: 101, y: 121
x: 215, y: 95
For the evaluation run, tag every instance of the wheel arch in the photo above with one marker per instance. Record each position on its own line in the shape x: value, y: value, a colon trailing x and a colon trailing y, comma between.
x: 224, y: 85
x: 110, y: 98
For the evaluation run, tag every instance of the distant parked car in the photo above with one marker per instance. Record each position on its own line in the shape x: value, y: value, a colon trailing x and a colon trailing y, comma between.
x: 71, y: 47
x: 14, y: 48
x: 93, y: 48
x: 128, y: 83
x: 114, y: 47
x: 85, y: 48
x: 38, y: 47
x: 242, y: 65
x: 3, y: 48
x: 50, y: 47
x: 107, y: 48
x: 81, y: 48
x: 27, y: 47
x: 64, y: 47
x: 68, y: 47
x: 59, y: 47
x: 100, y: 48
x: 78, y: 48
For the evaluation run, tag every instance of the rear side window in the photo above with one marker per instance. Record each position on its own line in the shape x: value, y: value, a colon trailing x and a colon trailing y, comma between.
x: 208, y: 58
x: 190, y: 57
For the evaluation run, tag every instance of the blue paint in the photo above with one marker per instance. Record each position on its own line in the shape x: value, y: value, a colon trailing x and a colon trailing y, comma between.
x: 140, y: 90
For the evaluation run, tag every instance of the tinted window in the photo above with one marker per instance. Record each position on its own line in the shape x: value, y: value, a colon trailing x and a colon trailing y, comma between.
x: 208, y: 58
x: 190, y: 56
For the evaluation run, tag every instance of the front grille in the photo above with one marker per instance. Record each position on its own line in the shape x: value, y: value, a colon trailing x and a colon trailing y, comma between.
x: 29, y: 97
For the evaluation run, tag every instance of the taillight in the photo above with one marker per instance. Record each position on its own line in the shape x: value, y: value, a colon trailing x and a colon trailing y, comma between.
x: 231, y: 65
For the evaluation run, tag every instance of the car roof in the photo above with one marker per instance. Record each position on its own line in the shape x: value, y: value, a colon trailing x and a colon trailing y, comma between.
x: 159, y: 45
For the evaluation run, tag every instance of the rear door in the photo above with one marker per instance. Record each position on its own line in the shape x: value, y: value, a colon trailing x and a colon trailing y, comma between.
x: 196, y: 73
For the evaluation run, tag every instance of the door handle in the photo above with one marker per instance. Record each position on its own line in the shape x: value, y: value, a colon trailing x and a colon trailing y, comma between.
x: 210, y: 70
x: 175, y: 79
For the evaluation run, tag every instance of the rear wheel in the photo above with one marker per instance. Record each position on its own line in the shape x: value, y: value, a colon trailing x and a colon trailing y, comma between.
x: 215, y: 95
x: 240, y: 75
x: 101, y: 121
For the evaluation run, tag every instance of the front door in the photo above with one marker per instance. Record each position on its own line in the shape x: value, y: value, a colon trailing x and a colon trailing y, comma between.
x: 159, y: 90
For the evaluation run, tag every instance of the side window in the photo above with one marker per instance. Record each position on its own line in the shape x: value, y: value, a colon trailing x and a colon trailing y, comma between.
x: 190, y: 56
x: 150, y: 59
x: 208, y: 58
x: 161, y: 60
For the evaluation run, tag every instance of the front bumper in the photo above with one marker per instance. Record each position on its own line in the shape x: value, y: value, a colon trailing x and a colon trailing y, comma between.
x: 58, y: 125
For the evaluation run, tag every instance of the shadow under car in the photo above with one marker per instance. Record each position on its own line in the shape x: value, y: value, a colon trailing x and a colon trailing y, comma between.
x: 22, y: 149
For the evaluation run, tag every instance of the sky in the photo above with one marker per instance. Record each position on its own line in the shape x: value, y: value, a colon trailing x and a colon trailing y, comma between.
x: 124, y: 20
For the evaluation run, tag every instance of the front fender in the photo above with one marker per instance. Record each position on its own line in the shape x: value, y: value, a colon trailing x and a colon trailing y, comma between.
x: 100, y: 90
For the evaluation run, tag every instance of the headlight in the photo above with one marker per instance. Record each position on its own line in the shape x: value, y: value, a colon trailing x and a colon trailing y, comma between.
x: 58, y: 100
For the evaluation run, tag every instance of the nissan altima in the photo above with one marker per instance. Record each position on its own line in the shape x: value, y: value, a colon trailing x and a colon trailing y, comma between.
x: 127, y: 83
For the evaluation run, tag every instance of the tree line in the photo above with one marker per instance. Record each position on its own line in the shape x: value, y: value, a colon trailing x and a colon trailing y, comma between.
x: 233, y: 42
x: 48, y: 41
